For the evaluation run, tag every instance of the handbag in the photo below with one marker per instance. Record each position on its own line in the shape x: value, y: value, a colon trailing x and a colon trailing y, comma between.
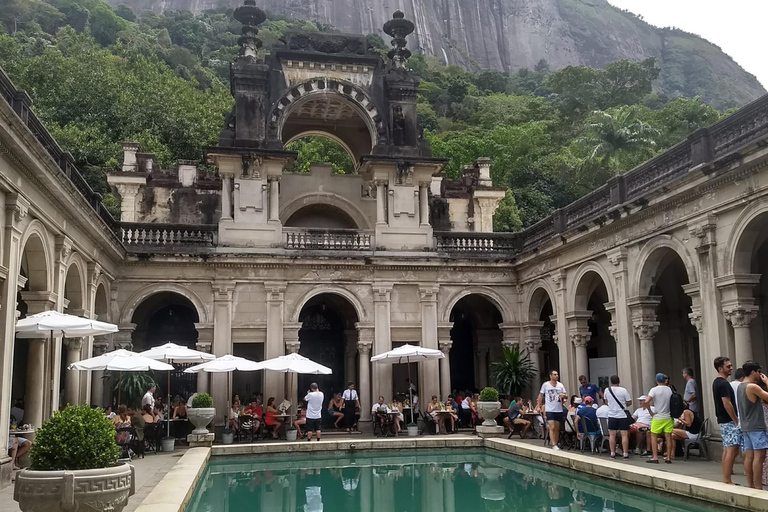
x: 624, y: 407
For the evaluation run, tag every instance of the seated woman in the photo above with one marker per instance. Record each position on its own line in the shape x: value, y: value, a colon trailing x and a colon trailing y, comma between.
x: 148, y: 414
x: 465, y: 412
x: 687, y: 426
x: 271, y: 419
x: 450, y: 406
x: 433, y: 409
x: 399, y: 418
x: 234, y: 414
x: 301, y: 419
x: 334, y: 409
x: 121, y: 418
x: 180, y: 410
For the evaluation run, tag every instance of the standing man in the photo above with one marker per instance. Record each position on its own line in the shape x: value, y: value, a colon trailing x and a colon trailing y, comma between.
x: 749, y: 399
x: 690, y: 395
x: 662, y: 418
x: 738, y: 378
x: 618, y: 399
x: 149, y: 398
x: 587, y: 388
x: 727, y: 415
x: 551, y: 397
x: 350, y: 405
x: 314, y: 400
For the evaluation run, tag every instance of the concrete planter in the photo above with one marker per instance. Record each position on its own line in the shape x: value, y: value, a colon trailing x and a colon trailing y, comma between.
x: 492, y: 489
x: 201, y: 418
x: 87, y: 489
x: 489, y: 411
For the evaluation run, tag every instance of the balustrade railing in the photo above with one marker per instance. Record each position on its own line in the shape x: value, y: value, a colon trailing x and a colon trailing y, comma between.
x: 309, y: 239
x: 158, y: 236
x: 740, y: 128
x: 476, y: 243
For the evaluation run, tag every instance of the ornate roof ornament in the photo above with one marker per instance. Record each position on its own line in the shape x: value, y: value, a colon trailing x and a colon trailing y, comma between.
x: 398, y: 28
x: 250, y: 16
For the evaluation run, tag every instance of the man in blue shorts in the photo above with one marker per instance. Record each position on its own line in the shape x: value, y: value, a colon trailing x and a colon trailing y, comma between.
x: 551, y: 397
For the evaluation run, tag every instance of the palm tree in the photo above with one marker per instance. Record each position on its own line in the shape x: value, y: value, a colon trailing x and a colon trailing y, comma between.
x: 621, y: 132
x: 514, y: 372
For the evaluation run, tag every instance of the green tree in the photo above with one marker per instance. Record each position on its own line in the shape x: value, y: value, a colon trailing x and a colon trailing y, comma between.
x: 318, y: 149
x: 683, y: 116
x: 507, y: 216
x: 619, y: 138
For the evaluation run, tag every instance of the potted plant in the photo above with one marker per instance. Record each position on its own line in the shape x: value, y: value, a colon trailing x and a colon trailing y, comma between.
x: 513, y: 372
x: 489, y: 406
x: 201, y: 413
x: 74, y: 465
x: 227, y: 436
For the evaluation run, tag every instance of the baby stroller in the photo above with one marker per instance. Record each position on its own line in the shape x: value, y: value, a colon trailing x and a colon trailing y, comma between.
x: 126, y: 440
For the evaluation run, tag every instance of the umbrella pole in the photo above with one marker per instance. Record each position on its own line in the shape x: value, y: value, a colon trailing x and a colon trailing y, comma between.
x: 119, y: 388
x: 168, y: 420
x: 410, y: 392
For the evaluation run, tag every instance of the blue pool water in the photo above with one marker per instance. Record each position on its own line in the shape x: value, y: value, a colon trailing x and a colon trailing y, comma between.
x: 446, y: 480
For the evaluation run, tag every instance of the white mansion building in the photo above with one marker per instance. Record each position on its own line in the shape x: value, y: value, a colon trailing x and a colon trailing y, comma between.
x: 659, y: 269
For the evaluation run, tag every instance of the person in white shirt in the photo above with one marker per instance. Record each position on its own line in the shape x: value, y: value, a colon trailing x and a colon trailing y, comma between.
x: 350, y: 406
x: 551, y: 399
x: 375, y: 410
x: 618, y: 399
x: 641, y: 426
x: 149, y: 398
x: 314, y: 400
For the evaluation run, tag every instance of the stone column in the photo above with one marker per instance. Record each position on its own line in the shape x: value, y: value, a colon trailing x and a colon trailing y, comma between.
x: 740, y: 318
x: 204, y: 344
x: 37, y: 385
x: 274, y: 198
x: 445, y: 369
x: 128, y: 190
x: 510, y: 333
x: 365, y: 336
x: 567, y: 368
x: 275, y: 346
x: 532, y: 340
x: 430, y: 369
x: 100, y: 346
x: 292, y: 346
x: 578, y: 332
x: 55, y: 351
x: 72, y: 380
x: 424, y: 203
x: 222, y: 342
x: 645, y: 326
x: 739, y: 308
x: 226, y: 197
x: 382, y: 373
x: 381, y: 201
x: 627, y: 349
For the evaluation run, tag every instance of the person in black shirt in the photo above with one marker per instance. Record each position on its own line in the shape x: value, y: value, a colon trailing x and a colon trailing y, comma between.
x: 727, y: 418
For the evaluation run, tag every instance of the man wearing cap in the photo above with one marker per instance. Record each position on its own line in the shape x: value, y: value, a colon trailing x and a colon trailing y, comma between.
x: 641, y: 426
x: 662, y: 423
x: 589, y: 413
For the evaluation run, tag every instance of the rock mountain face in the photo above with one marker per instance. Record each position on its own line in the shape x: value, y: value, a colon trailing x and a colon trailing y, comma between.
x: 512, y: 34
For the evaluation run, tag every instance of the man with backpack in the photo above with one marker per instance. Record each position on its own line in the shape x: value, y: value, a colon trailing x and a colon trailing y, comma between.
x: 661, y: 398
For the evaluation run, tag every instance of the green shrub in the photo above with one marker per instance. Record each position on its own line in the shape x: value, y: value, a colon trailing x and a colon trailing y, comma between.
x: 78, y: 437
x: 489, y: 395
x: 202, y: 401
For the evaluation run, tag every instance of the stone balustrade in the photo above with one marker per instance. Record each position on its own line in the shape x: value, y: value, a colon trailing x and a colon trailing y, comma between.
x: 157, y: 236
x: 476, y: 243
x: 309, y: 239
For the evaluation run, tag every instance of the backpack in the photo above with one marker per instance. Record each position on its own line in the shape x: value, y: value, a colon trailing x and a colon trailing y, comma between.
x: 676, y: 403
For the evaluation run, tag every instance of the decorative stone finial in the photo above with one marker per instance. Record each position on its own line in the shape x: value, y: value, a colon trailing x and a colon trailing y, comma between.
x: 250, y: 16
x: 398, y: 28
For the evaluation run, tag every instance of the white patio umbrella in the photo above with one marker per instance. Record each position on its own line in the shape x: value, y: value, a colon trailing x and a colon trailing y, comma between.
x: 294, y: 363
x: 225, y: 364
x: 51, y: 324
x: 408, y: 354
x: 173, y: 353
x: 120, y: 361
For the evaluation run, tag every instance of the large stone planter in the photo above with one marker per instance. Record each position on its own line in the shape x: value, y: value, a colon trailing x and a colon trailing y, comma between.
x: 489, y: 411
x: 201, y: 418
x: 64, y: 491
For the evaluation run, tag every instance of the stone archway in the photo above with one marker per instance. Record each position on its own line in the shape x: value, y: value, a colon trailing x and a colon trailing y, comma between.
x: 29, y: 381
x: 589, y: 326
x: 100, y: 344
x: 328, y: 106
x: 328, y: 336
x: 475, y: 342
x: 75, y: 300
x: 164, y: 317
x: 330, y: 205
x: 541, y: 337
x: 661, y: 314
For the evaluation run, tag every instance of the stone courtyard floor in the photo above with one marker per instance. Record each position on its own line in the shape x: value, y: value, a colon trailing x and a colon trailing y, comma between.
x: 151, y: 469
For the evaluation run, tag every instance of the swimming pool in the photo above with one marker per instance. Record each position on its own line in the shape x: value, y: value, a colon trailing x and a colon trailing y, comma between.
x: 465, y: 480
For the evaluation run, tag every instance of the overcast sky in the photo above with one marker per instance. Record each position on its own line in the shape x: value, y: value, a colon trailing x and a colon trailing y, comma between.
x: 736, y: 26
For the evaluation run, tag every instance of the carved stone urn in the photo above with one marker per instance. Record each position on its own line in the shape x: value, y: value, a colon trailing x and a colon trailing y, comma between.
x: 201, y: 418
x: 106, y: 489
x: 489, y: 411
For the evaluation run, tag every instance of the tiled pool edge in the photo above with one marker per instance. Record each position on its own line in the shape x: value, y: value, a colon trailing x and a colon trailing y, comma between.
x: 184, y: 476
x: 693, y: 487
x: 173, y: 492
